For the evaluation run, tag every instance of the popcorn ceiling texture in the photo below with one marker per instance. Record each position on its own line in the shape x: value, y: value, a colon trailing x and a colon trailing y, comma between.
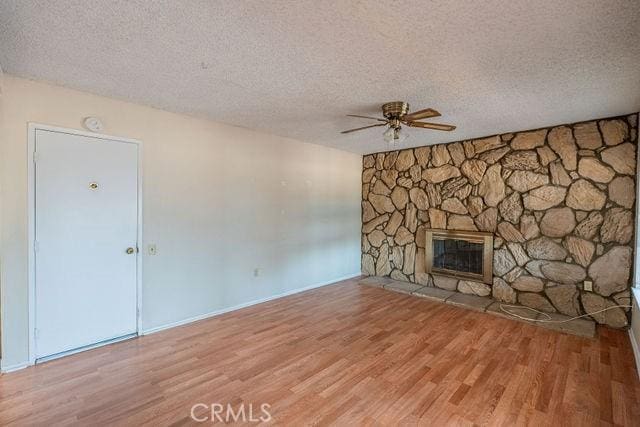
x: 560, y: 202
x: 295, y: 68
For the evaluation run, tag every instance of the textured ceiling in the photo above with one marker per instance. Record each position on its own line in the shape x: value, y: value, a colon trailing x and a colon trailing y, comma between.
x: 295, y: 68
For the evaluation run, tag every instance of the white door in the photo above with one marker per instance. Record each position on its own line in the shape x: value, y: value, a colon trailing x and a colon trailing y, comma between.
x: 86, y: 209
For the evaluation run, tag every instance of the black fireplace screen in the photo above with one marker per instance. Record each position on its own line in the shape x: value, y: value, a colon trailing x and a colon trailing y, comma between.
x: 457, y: 255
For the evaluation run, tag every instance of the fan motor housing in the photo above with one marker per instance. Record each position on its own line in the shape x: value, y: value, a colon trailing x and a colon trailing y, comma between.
x: 395, y: 110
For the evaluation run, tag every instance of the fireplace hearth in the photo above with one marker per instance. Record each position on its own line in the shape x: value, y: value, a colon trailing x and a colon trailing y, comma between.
x: 460, y: 254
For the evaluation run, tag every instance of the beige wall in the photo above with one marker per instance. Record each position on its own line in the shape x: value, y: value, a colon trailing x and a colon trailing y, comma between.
x: 219, y: 201
x: 635, y: 320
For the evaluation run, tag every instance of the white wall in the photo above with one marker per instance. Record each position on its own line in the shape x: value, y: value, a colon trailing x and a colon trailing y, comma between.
x: 634, y: 332
x: 219, y: 201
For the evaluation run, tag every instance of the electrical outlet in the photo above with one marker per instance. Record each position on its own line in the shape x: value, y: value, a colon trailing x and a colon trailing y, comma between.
x: 152, y: 249
x: 256, y: 272
x: 587, y: 285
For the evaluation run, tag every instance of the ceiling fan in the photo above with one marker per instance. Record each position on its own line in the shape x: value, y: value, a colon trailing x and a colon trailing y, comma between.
x: 396, y: 114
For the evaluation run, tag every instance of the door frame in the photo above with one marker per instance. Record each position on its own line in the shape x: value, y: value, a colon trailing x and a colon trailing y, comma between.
x: 31, y: 216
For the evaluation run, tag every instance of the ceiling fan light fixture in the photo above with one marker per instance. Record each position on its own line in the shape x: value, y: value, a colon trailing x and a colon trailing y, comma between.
x: 395, y: 135
x: 389, y: 134
x: 401, y: 135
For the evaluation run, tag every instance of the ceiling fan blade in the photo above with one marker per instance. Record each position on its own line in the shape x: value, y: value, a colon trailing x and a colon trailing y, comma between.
x: 367, y: 117
x: 435, y: 126
x: 422, y: 114
x: 364, y: 127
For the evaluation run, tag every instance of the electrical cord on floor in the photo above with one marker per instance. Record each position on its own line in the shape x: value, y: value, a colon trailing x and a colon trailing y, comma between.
x: 548, y: 319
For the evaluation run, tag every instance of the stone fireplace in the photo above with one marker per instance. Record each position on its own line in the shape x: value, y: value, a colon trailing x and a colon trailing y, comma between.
x: 461, y: 254
x: 559, y: 203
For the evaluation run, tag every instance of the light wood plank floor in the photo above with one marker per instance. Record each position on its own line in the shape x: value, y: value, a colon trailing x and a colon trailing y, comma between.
x: 342, y: 354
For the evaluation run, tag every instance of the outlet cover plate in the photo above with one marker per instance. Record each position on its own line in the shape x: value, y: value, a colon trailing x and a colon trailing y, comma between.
x: 587, y: 285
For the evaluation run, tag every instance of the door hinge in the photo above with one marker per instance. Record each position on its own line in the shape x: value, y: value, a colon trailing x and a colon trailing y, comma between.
x: 36, y: 246
x: 36, y: 333
x: 35, y: 156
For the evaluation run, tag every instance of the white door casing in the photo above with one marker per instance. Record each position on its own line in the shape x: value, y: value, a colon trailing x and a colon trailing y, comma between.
x: 85, y: 216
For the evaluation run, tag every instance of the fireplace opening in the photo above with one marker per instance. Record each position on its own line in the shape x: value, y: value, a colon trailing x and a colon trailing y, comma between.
x: 461, y: 254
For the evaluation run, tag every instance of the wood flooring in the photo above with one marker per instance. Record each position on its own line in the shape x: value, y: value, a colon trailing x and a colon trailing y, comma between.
x: 344, y: 354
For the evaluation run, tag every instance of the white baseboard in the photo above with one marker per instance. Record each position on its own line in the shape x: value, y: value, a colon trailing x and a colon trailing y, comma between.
x: 246, y: 304
x: 16, y: 367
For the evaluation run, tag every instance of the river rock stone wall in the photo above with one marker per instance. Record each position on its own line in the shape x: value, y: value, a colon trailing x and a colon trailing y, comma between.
x: 560, y: 202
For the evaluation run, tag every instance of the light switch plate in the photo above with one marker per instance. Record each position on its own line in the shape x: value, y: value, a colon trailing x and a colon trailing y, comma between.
x: 587, y: 285
x: 152, y: 249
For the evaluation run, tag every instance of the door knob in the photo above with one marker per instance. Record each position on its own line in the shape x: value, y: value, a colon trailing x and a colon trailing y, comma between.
x: 130, y: 250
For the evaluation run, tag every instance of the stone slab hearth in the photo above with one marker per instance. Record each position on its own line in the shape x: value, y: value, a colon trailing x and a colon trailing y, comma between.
x: 580, y: 327
x: 440, y: 295
x: 471, y: 302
